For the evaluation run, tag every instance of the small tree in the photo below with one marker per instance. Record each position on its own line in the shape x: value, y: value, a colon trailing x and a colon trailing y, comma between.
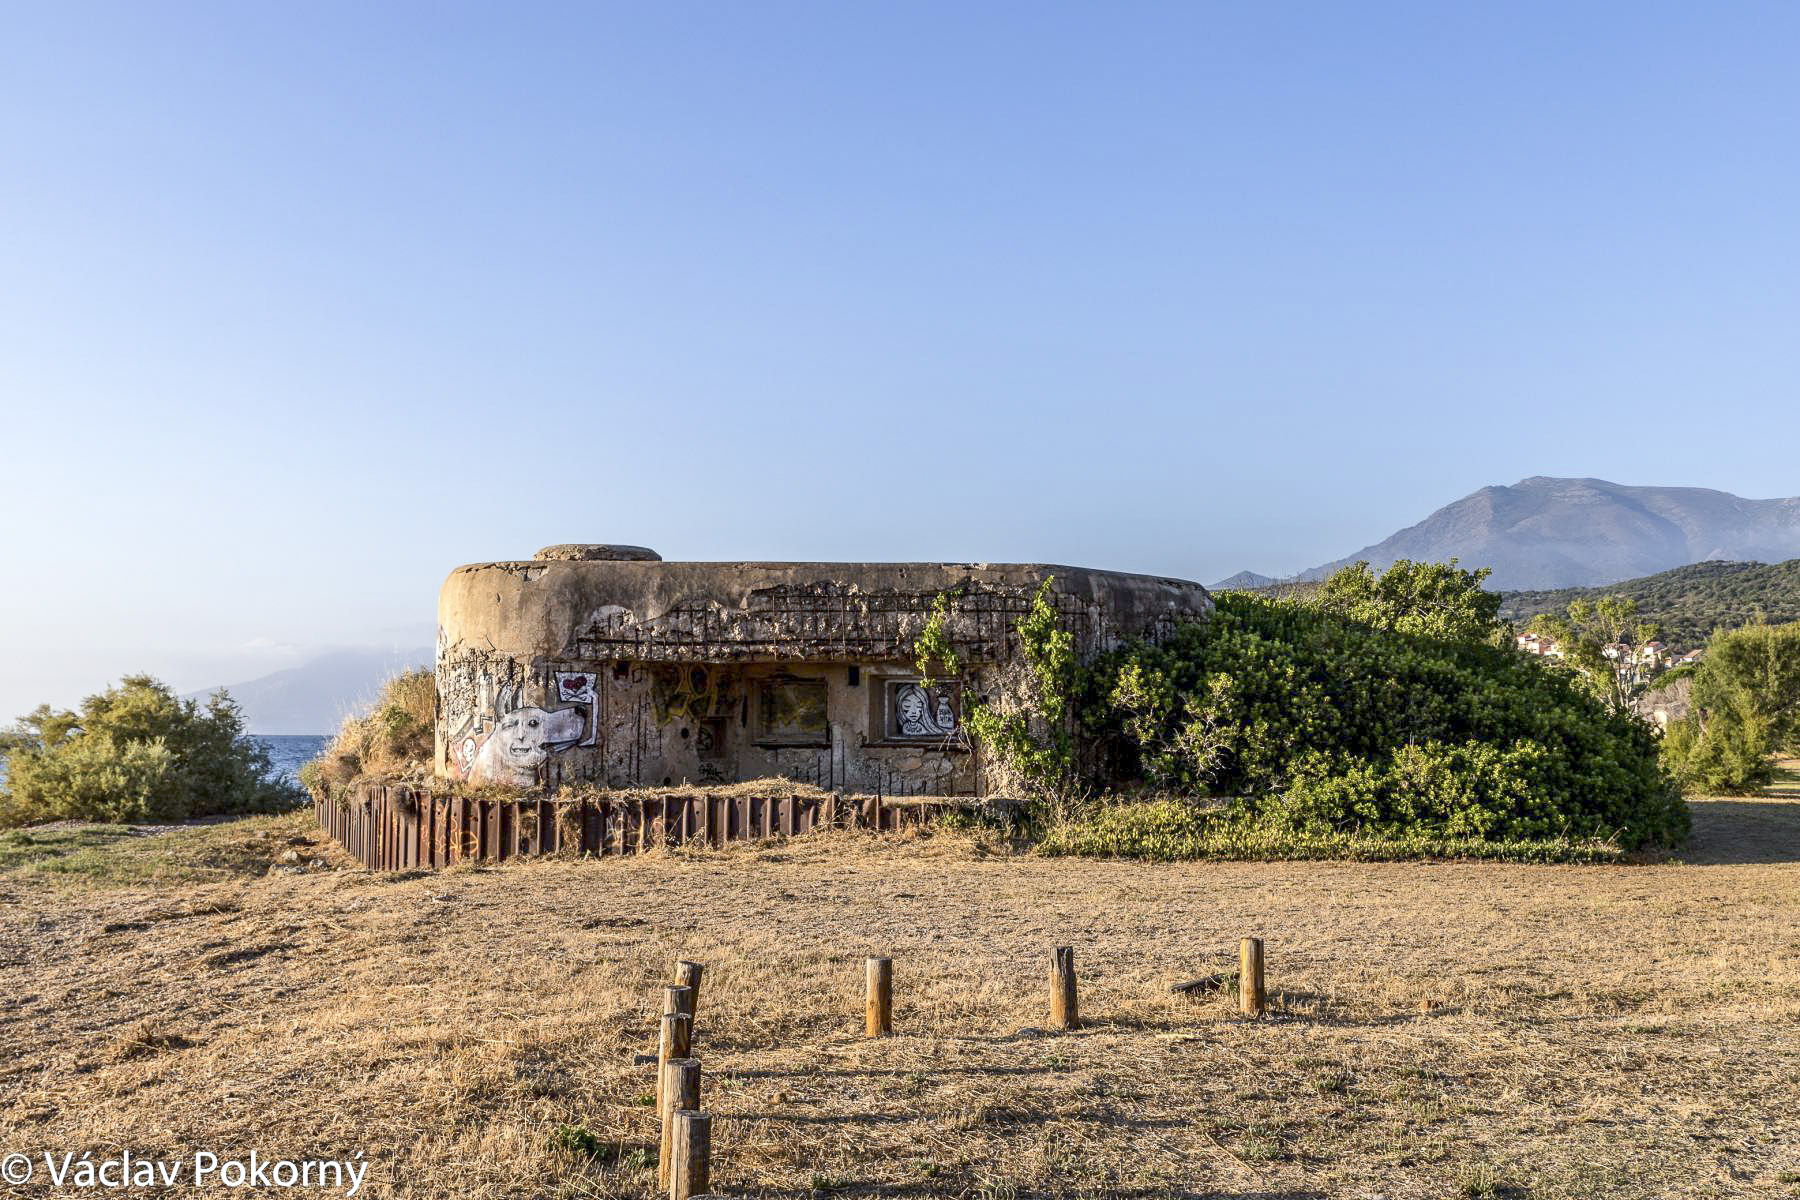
x: 1583, y: 636
x: 1745, y: 710
x: 136, y: 752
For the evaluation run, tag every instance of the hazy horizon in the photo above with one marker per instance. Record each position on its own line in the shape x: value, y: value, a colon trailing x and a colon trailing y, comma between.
x: 306, y: 306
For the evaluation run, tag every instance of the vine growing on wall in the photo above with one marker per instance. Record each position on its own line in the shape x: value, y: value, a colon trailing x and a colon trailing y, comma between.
x: 932, y: 649
x: 1027, y: 722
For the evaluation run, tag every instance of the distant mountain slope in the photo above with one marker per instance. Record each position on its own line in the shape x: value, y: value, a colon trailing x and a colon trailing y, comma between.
x: 1687, y: 602
x: 1243, y: 581
x: 1545, y: 533
x: 314, y: 697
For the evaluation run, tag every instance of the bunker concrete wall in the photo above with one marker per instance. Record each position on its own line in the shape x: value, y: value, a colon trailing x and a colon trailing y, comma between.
x: 640, y: 672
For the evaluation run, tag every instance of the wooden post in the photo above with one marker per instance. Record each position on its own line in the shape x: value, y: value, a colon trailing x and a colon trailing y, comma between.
x: 673, y: 1044
x: 687, y: 975
x: 680, y: 1089
x: 1251, y: 1001
x: 674, y: 1001
x: 690, y: 1157
x: 881, y: 997
x: 1064, y: 1014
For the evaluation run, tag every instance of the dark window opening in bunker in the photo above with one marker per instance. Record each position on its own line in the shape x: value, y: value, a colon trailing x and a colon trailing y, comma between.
x: 793, y: 712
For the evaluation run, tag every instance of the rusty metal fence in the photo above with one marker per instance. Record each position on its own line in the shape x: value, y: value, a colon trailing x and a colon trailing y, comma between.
x: 393, y: 827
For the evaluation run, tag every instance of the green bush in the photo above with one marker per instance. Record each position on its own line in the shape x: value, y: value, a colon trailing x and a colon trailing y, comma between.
x: 1745, y: 710
x: 1723, y: 756
x: 1169, y: 829
x: 136, y: 752
x: 1358, y: 710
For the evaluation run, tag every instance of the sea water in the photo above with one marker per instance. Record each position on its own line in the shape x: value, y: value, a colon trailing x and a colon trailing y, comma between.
x: 287, y: 751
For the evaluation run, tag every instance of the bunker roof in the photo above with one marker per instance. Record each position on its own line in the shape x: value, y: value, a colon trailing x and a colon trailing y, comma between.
x: 607, y: 600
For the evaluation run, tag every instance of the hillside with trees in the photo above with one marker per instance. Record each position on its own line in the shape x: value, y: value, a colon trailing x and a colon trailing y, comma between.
x: 1688, y: 603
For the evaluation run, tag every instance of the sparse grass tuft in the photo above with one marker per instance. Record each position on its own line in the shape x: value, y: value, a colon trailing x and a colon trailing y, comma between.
x: 581, y: 1141
x: 1331, y: 1082
x: 1478, y: 1184
x: 152, y: 1036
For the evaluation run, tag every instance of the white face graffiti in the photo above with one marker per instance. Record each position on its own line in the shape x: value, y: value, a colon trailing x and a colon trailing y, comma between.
x: 521, y: 737
x: 523, y: 742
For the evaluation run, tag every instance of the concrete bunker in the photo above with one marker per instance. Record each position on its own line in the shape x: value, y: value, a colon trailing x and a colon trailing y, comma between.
x: 606, y: 665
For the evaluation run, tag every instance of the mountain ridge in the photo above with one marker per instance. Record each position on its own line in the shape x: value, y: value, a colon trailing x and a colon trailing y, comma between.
x: 314, y: 697
x: 1548, y: 532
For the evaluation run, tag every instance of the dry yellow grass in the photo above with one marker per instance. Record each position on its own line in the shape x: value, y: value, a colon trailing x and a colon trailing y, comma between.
x: 1437, y: 1029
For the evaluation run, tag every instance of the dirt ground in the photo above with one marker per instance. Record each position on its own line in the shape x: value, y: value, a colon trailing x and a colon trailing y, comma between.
x: 1437, y: 1029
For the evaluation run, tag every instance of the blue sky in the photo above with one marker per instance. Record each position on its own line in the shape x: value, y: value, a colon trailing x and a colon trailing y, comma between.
x: 303, y: 304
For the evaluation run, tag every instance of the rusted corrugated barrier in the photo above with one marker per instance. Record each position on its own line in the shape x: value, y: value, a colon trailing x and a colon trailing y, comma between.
x: 393, y: 827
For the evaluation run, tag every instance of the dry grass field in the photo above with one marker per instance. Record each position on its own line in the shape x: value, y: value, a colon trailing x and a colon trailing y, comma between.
x: 1437, y: 1029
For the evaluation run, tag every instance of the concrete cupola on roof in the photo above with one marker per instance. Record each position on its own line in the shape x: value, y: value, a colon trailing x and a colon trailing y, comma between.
x: 606, y: 664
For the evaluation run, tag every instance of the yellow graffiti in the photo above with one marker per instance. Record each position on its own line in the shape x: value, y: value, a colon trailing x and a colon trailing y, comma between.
x: 689, y: 693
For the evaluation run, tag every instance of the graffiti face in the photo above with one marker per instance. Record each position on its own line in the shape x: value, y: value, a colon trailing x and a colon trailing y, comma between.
x: 522, y: 742
x: 910, y: 698
x: 918, y: 713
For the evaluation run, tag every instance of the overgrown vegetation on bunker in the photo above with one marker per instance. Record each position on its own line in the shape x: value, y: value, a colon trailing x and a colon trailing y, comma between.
x: 1376, y: 707
x: 392, y: 738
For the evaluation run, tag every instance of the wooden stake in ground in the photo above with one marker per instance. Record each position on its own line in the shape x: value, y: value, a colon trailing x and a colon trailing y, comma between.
x: 1251, y: 1001
x: 675, y: 999
x: 672, y: 1044
x: 687, y: 975
x: 680, y: 1089
x: 881, y: 997
x: 1064, y: 1014
x: 691, y: 1156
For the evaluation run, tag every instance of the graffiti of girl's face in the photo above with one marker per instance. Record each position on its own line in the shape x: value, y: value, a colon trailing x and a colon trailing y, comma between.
x: 910, y: 699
